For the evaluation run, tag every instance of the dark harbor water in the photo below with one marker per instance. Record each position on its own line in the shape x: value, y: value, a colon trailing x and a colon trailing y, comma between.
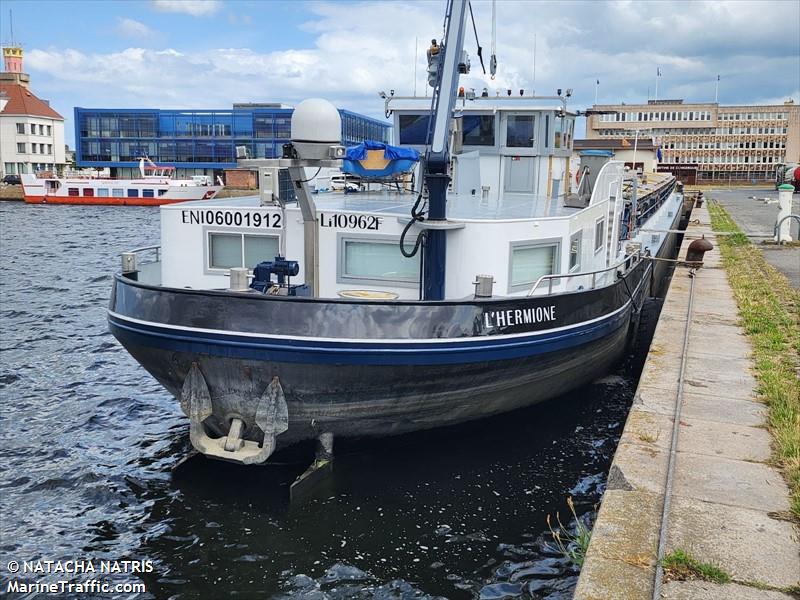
x: 89, y: 441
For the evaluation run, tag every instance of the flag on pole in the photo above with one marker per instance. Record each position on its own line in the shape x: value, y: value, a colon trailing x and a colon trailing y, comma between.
x: 658, y: 71
x: 658, y: 155
x: 717, y: 77
x: 598, y: 82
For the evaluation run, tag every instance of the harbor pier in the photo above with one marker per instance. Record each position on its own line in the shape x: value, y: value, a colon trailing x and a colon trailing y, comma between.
x: 692, y: 480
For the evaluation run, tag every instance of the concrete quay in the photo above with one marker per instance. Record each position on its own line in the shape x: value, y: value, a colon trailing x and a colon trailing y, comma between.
x: 728, y: 505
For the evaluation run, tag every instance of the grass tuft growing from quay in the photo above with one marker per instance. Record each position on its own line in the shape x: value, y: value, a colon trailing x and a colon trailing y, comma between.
x: 770, y: 314
x: 683, y: 567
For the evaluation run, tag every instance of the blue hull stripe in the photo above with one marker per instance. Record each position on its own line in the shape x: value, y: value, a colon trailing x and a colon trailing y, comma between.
x: 369, y: 353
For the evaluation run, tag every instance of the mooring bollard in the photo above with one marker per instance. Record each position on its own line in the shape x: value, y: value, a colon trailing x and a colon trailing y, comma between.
x: 129, y: 262
x: 239, y: 282
x: 785, y: 192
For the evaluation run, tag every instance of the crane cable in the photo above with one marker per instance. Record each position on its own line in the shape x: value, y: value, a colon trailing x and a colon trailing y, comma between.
x: 477, y: 41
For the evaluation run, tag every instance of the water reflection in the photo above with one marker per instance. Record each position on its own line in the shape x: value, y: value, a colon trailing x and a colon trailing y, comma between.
x: 88, y: 442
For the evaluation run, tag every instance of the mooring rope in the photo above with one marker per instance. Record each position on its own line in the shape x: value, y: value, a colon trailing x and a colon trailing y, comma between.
x: 673, y: 449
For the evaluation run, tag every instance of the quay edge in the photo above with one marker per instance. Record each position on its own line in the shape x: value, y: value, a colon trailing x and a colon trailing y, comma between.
x: 725, y: 497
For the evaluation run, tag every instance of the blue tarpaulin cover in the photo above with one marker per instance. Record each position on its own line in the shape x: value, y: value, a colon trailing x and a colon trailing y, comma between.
x: 401, y: 160
x: 390, y: 152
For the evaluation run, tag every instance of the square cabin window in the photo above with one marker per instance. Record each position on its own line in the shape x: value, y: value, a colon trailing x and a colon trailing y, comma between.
x: 529, y: 262
x: 224, y: 250
x: 575, y: 251
x: 117, y: 192
x: 102, y: 192
x: 258, y: 248
x: 478, y: 130
x: 132, y: 193
x: 599, y: 234
x: 228, y: 250
x: 148, y: 193
x: 88, y: 192
x: 73, y: 192
x: 375, y: 260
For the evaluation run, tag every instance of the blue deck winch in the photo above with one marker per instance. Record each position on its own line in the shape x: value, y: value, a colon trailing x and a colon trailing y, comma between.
x: 280, y: 267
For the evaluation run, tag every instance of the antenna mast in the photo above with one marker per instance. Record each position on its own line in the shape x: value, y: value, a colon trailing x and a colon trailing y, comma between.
x: 493, y: 58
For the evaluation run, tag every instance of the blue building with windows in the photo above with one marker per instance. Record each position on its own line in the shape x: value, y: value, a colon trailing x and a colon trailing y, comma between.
x: 196, y: 142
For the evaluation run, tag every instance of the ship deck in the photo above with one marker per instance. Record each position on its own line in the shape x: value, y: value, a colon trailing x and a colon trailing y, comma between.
x: 509, y: 207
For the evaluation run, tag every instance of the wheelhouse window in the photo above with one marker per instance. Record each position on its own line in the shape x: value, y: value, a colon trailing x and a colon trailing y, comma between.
x: 558, y: 131
x: 229, y: 250
x: 414, y: 129
x: 478, y: 130
x: 575, y: 251
x: 530, y: 261
x: 519, y: 131
x: 376, y: 260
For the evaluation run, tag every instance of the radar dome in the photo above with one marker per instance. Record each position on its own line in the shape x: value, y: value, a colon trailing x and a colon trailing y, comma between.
x: 316, y: 120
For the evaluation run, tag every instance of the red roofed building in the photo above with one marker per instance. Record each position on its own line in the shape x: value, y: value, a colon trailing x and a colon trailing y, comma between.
x: 31, y: 132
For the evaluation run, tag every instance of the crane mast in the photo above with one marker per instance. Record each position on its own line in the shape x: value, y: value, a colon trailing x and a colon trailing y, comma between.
x: 452, y: 62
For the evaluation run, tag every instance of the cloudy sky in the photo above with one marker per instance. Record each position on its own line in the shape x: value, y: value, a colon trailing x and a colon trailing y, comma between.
x: 211, y: 53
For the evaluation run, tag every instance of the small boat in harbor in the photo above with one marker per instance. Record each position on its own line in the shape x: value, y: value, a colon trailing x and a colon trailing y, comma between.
x: 157, y: 185
x: 489, y: 286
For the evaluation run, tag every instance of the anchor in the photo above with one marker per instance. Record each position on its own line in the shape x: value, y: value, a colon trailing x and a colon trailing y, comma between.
x: 271, y: 416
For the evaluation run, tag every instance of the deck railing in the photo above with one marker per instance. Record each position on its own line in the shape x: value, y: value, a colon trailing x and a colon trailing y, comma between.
x: 627, y: 262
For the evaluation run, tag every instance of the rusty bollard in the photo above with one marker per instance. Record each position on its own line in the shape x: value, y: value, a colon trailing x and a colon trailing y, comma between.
x: 696, y: 251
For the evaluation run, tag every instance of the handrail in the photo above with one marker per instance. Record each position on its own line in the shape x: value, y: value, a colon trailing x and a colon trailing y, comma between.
x: 157, y: 248
x: 594, y: 274
x: 145, y: 248
x: 779, y: 223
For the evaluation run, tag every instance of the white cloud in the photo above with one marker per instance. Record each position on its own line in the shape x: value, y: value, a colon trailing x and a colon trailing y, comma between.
x: 134, y: 29
x: 196, y: 8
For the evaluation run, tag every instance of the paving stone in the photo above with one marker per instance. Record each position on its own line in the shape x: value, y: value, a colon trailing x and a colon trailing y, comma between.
x: 711, y: 438
x: 604, y: 579
x: 705, y: 590
x: 747, y: 544
x: 643, y: 467
x: 649, y: 429
x: 729, y: 340
x: 708, y: 407
x: 730, y: 482
x: 628, y: 530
